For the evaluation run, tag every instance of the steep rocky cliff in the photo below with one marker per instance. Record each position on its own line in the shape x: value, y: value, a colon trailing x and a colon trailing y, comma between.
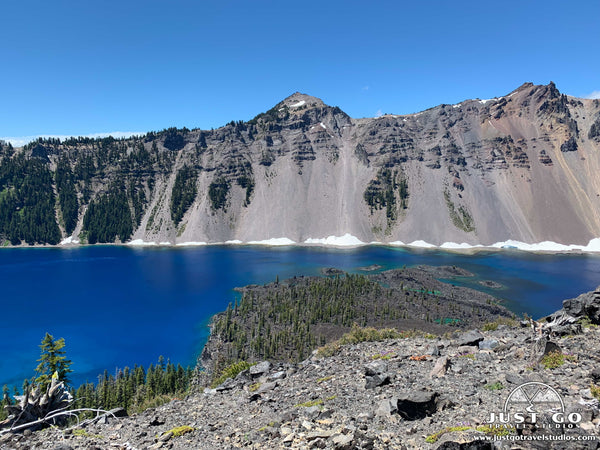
x: 521, y: 167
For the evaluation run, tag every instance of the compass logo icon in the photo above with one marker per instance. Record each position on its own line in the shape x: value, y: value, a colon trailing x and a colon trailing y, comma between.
x: 534, y: 403
x: 534, y: 397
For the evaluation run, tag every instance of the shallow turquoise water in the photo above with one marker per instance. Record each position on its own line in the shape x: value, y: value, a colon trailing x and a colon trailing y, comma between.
x: 118, y: 306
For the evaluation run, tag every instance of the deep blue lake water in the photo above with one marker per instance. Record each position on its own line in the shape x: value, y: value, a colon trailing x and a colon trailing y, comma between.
x: 118, y: 306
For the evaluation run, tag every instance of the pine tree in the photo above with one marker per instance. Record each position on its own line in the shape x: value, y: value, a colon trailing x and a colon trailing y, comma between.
x: 4, y: 402
x: 52, y: 360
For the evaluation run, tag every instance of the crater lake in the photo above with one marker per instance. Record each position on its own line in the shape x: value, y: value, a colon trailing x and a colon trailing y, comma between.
x: 118, y: 306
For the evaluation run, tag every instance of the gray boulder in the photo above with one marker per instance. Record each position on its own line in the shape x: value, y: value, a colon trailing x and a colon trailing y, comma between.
x: 433, y: 350
x: 277, y: 376
x: 440, y: 367
x: 488, y: 344
x: 376, y: 380
x: 260, y: 369
x: 376, y: 375
x: 387, y: 407
x: 376, y: 368
x: 472, y: 337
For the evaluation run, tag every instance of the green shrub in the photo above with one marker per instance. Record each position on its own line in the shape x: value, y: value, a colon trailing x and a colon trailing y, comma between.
x: 180, y: 431
x: 310, y: 403
x: 83, y: 433
x: 494, y: 431
x: 230, y: 371
x: 385, y: 356
x: 433, y: 438
x: 487, y: 429
x: 153, y: 402
x: 553, y: 360
x: 587, y: 323
x: 490, y: 326
x: 359, y: 334
x: 324, y: 379
x: 493, y: 326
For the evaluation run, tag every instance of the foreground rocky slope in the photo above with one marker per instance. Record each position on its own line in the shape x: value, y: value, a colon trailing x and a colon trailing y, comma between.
x: 518, y: 167
x: 405, y: 393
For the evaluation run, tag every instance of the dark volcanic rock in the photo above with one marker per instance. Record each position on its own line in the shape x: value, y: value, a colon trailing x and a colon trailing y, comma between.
x: 416, y: 405
x: 586, y: 305
x: 394, y: 155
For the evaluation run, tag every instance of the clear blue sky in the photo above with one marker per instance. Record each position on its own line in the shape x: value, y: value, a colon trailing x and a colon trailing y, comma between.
x: 80, y: 67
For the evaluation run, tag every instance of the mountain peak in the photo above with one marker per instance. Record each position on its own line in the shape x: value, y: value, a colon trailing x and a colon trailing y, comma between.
x: 297, y: 99
x: 524, y: 86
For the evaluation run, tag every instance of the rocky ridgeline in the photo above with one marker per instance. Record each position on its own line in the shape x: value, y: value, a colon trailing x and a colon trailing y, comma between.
x: 307, y: 171
x: 406, y: 393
